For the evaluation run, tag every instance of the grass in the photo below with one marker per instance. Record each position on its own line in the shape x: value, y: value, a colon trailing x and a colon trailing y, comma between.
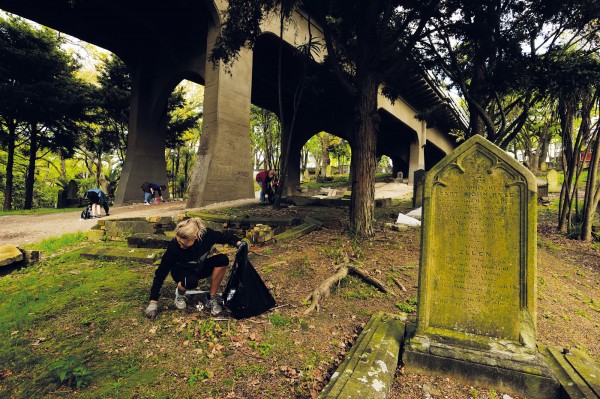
x: 53, y: 244
x: 55, y: 317
x: 39, y: 211
x: 337, y: 181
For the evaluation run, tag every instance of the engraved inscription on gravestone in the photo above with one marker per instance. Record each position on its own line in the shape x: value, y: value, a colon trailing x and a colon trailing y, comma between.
x: 476, y: 310
x: 476, y: 247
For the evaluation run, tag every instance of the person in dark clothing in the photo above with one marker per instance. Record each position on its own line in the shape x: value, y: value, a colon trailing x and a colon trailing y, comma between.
x: 152, y: 190
x: 97, y: 199
x: 192, y: 243
x: 264, y: 179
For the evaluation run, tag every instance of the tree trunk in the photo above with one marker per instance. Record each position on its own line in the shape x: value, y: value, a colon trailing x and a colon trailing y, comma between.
x: 10, y: 162
x: 362, y: 205
x: 566, y: 116
x: 324, y: 140
x: 592, y: 190
x: 30, y: 179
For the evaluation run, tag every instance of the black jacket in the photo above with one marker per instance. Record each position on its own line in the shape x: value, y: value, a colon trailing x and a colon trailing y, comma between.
x: 175, y: 257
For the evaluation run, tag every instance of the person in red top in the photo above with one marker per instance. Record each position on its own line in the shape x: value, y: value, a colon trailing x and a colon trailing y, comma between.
x: 264, y: 179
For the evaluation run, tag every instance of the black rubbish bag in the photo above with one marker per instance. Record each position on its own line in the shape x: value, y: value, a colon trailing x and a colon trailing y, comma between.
x: 245, y: 294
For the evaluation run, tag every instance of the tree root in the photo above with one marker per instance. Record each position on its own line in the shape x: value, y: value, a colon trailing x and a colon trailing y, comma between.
x: 399, y: 284
x: 324, y: 289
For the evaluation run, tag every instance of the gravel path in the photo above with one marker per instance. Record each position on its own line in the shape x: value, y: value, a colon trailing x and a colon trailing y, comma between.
x: 27, y: 229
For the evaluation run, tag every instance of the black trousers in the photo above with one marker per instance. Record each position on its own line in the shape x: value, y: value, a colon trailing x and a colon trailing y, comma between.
x: 189, y: 278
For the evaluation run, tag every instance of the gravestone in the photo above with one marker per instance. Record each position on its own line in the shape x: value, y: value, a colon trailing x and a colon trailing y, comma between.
x: 400, y: 177
x: 477, y: 284
x: 553, y: 184
x: 418, y: 181
x: 62, y: 199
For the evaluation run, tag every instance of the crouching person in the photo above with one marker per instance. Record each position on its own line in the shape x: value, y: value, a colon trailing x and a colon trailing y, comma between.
x: 187, y: 259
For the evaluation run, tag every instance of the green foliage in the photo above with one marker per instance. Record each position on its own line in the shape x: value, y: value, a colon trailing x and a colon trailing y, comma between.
x: 408, y: 306
x: 198, y: 376
x: 71, y: 371
x: 264, y: 348
x: 280, y: 321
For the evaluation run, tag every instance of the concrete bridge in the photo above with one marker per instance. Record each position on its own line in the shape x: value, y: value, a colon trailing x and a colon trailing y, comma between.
x: 164, y: 43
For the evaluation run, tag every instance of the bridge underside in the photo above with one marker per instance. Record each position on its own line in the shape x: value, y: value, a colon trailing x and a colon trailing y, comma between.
x: 166, y: 42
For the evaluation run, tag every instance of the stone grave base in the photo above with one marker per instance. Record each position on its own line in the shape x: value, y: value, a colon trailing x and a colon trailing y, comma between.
x: 501, y: 365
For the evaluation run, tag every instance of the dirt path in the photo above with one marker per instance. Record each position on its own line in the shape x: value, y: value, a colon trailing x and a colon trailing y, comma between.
x: 27, y: 229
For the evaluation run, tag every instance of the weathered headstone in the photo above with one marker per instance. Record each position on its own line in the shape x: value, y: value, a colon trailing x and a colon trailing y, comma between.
x: 419, y: 180
x: 62, y: 199
x: 400, y: 177
x: 72, y: 189
x: 477, y: 292
x: 543, y: 166
x: 553, y: 184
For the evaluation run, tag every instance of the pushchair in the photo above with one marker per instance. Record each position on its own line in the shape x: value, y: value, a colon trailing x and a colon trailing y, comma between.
x: 87, y: 212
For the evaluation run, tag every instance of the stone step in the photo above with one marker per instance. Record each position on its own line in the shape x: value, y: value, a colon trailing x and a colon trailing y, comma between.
x: 231, y: 221
x: 296, y: 232
x: 144, y: 240
x: 142, y: 255
x: 120, y: 229
x: 300, y: 200
x: 577, y: 373
x: 368, y: 369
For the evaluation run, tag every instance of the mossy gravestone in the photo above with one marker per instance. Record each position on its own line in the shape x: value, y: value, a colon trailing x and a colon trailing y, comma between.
x: 553, y: 184
x: 476, y: 309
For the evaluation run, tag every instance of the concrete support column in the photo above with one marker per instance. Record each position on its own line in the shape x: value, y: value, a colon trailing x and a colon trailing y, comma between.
x: 145, y: 158
x: 417, y: 153
x: 293, y: 177
x: 223, y: 168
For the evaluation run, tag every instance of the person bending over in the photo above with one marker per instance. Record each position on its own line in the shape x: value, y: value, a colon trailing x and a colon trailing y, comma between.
x: 264, y: 179
x: 152, y: 190
x: 97, y: 199
x: 186, y: 258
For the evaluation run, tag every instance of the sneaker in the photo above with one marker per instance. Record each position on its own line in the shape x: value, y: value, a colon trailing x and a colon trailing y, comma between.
x: 180, y: 300
x: 213, y: 306
x: 145, y: 203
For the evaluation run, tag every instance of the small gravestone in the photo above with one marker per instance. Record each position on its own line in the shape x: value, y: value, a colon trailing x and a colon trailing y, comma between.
x: 61, y: 200
x: 400, y: 177
x: 543, y: 166
x: 419, y: 179
x: 477, y: 279
x: 553, y: 184
x: 72, y: 189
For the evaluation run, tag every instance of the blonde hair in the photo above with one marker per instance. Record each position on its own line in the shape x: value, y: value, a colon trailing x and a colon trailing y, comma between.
x: 190, y: 229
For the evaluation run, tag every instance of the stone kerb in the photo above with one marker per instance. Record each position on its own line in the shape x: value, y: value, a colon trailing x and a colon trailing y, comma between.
x: 477, y: 288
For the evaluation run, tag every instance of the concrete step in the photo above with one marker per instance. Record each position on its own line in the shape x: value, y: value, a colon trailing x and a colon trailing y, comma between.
x: 140, y: 255
x: 234, y: 221
x: 144, y: 240
x: 577, y: 373
x: 296, y: 232
x: 368, y: 369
